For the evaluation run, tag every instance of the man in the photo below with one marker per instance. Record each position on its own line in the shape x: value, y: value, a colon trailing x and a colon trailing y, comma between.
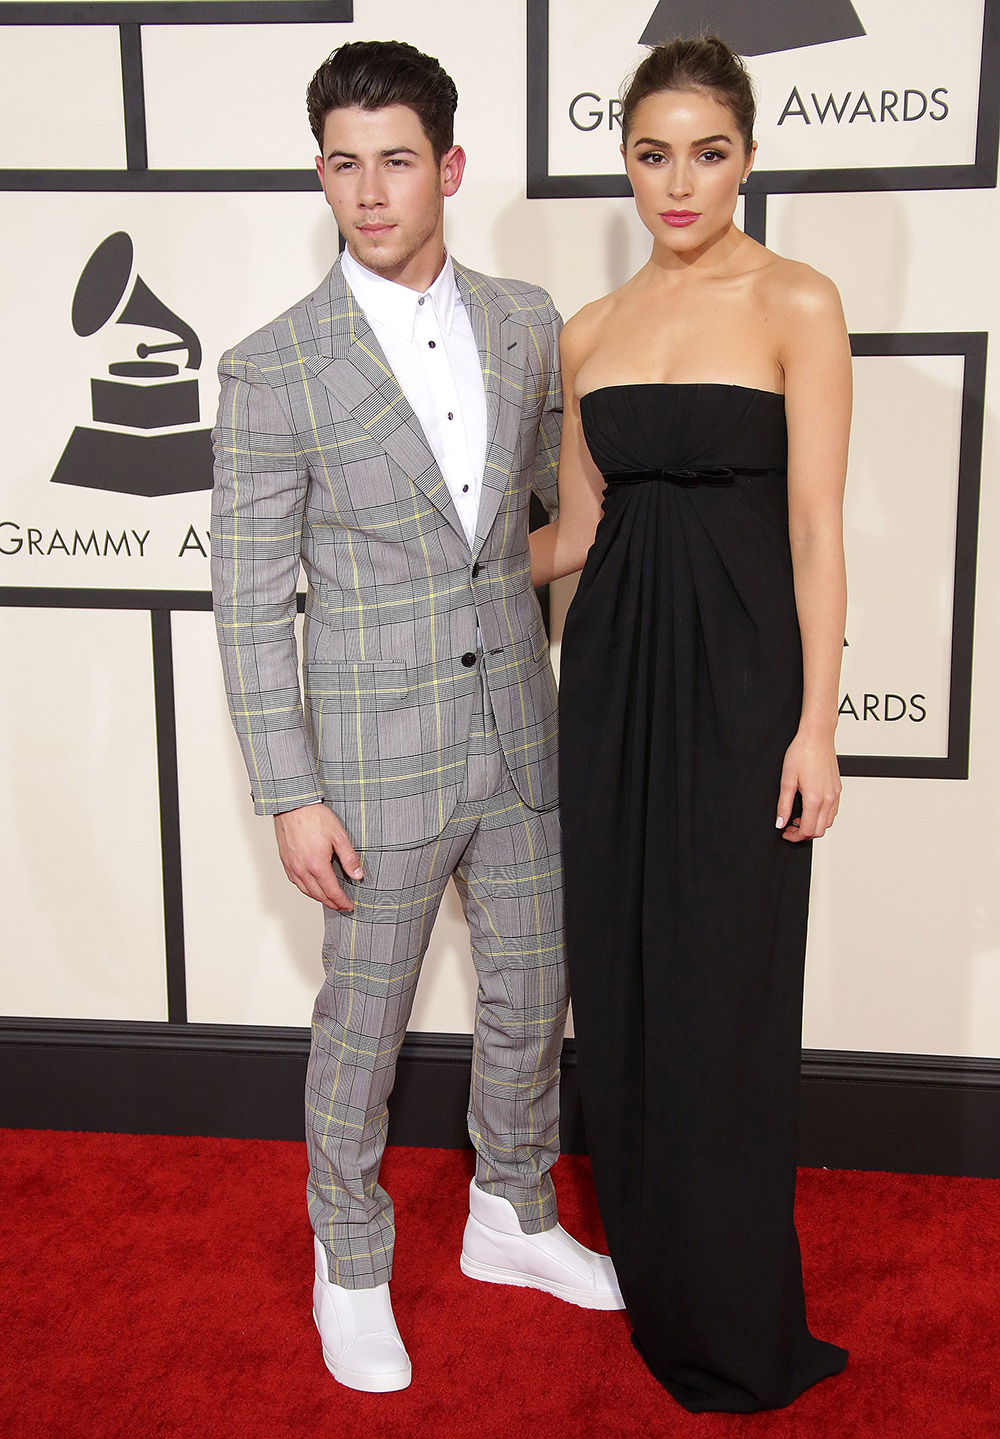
x: 388, y: 432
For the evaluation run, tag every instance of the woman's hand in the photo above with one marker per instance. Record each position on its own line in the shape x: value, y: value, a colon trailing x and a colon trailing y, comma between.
x: 810, y: 769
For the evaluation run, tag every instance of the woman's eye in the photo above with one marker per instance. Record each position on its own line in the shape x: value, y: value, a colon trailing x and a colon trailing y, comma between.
x: 652, y: 156
x: 712, y: 155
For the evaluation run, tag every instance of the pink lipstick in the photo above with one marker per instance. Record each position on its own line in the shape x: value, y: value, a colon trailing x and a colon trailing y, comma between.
x: 680, y: 217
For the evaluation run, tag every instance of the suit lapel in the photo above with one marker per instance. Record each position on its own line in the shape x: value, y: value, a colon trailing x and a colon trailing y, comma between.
x: 355, y: 370
x: 488, y: 319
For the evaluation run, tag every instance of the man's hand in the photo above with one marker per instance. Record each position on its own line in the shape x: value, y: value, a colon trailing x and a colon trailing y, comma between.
x: 308, y: 838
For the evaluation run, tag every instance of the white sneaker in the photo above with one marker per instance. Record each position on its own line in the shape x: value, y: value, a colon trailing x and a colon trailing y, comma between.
x: 361, y: 1344
x: 496, y: 1249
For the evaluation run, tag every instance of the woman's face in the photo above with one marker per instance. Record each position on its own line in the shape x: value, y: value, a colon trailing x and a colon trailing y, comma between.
x: 685, y: 158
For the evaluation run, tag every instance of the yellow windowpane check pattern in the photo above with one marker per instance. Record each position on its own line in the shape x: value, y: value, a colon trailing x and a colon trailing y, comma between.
x: 424, y: 713
x: 322, y: 465
x: 505, y: 860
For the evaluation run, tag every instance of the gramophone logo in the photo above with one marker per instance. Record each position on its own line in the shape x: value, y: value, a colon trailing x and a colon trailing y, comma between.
x: 146, y: 408
x: 761, y: 29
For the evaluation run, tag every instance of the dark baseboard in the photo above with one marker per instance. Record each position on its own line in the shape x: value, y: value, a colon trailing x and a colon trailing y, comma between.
x: 905, y: 1113
x: 912, y: 1114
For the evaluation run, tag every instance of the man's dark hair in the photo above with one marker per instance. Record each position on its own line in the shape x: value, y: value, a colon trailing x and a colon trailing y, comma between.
x: 371, y: 74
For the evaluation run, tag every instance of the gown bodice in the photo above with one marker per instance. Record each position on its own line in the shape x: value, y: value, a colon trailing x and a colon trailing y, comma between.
x: 678, y: 427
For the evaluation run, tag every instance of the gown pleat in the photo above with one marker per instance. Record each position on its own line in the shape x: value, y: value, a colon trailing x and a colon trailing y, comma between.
x: 680, y: 690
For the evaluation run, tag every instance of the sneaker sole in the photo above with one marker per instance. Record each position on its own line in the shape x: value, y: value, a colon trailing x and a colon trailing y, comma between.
x: 489, y: 1274
x: 366, y: 1383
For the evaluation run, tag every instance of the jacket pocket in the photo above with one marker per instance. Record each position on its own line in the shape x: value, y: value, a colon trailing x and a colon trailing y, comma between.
x: 353, y: 685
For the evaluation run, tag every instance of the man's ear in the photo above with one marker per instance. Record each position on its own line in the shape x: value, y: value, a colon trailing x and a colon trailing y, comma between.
x: 452, y: 169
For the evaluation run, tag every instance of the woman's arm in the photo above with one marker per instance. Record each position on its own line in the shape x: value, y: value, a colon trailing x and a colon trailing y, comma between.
x: 816, y: 360
x: 560, y: 548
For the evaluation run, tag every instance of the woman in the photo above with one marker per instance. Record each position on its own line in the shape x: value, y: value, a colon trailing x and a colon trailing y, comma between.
x: 700, y: 666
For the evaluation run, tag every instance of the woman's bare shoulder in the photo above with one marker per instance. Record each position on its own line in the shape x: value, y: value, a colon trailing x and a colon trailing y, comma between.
x: 580, y: 332
x: 792, y: 287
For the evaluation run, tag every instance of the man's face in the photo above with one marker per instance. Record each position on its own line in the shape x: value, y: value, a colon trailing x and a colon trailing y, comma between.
x: 386, y: 189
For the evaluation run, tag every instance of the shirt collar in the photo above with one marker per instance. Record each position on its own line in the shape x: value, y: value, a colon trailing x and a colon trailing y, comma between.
x: 394, y: 305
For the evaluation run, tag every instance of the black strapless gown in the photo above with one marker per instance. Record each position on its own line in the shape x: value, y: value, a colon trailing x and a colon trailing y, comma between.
x: 680, y: 690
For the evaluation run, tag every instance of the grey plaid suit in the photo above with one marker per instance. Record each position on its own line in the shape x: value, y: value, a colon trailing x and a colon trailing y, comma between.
x: 429, y: 721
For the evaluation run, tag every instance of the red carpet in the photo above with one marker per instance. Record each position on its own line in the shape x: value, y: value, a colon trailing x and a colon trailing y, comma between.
x: 162, y: 1287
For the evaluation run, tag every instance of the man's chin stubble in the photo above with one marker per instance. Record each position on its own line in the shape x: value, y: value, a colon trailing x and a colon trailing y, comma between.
x: 382, y: 259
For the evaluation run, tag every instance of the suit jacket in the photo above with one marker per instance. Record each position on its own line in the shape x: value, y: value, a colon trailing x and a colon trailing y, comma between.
x: 320, y: 459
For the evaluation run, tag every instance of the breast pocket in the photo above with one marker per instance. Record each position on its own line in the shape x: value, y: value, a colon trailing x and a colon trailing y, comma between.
x: 538, y: 640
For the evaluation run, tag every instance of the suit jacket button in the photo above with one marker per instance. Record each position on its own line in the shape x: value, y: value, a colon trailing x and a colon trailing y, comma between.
x: 469, y: 660
x: 475, y: 570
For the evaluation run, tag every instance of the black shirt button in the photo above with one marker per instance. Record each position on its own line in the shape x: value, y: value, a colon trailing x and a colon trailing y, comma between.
x: 465, y: 489
x: 432, y: 344
x: 450, y: 415
x: 475, y: 570
x: 469, y: 660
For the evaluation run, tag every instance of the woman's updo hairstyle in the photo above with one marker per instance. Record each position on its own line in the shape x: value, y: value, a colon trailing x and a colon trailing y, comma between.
x: 703, y: 62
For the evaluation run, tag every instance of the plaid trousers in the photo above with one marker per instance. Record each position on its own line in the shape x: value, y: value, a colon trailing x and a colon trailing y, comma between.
x: 506, y: 862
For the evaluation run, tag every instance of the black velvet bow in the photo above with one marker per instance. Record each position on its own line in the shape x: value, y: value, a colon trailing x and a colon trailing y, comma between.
x: 705, y: 475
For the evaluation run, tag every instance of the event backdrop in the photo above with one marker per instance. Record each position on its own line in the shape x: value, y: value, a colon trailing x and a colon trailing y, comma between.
x: 159, y: 205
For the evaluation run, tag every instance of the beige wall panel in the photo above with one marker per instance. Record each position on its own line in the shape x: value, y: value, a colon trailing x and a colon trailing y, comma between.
x: 900, y: 522
x: 225, y: 263
x: 446, y: 995
x: 904, y: 949
x: 882, y: 98
x: 252, y: 940
x: 79, y: 824
x: 902, y: 261
x: 232, y: 97
x: 61, y: 98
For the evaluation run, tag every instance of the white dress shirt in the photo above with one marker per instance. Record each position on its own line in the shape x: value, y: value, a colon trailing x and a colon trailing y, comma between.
x: 427, y: 338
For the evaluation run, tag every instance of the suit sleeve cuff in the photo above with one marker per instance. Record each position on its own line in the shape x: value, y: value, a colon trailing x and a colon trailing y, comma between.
x: 285, y: 803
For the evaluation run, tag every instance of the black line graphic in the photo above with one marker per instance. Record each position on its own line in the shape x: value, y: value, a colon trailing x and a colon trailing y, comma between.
x: 170, y: 815
x: 130, y: 17
x: 58, y: 597
x: 176, y: 12
x: 755, y: 216
x: 133, y: 97
x: 55, y: 597
x: 955, y: 765
x: 159, y: 181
